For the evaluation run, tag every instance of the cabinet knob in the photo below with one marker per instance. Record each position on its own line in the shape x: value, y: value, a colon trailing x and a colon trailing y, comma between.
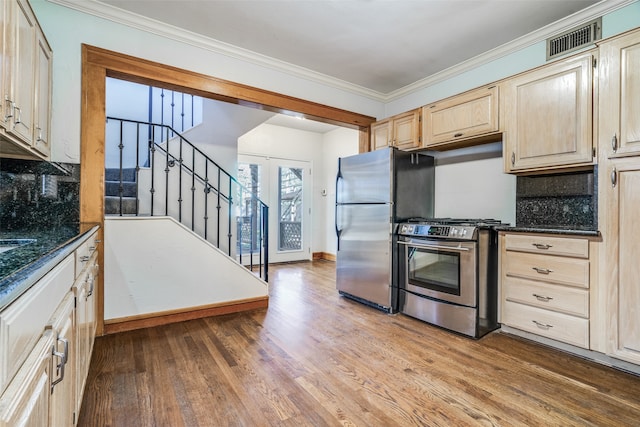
x: 614, y: 143
x: 614, y: 178
x: 458, y: 135
x: 513, y: 158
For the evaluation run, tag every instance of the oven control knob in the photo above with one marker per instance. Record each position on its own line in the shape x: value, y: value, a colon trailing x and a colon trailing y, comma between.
x: 463, y: 232
x: 454, y: 231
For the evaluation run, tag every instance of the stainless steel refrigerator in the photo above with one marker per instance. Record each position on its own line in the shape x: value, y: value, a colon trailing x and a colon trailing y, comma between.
x: 374, y: 191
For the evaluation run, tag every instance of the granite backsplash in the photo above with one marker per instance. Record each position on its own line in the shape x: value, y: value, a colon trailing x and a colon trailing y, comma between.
x: 562, y: 201
x: 38, y: 196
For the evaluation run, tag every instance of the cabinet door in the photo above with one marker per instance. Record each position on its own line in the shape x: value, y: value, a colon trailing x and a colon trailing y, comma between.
x: 42, y: 97
x: 548, y: 116
x: 619, y: 95
x: 23, y: 73
x: 26, y: 400
x: 465, y: 116
x: 406, y: 130
x: 63, y: 396
x: 81, y: 339
x: 623, y: 253
x: 380, y: 135
x: 5, y: 62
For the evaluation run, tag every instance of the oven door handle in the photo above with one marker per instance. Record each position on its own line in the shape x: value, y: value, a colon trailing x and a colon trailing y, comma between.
x: 445, y: 248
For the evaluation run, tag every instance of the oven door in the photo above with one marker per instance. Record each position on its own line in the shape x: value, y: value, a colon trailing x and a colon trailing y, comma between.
x: 442, y: 270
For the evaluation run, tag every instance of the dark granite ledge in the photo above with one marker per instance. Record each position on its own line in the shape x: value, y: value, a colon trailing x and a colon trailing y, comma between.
x: 22, y: 267
x: 558, y: 230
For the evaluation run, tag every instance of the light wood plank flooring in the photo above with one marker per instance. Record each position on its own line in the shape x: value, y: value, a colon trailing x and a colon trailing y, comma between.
x: 314, y: 358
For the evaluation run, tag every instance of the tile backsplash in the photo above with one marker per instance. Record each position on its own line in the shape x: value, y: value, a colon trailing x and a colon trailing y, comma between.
x: 38, y: 195
x: 565, y: 201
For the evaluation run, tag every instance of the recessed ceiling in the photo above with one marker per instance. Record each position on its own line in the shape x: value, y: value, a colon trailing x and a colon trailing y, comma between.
x: 380, y: 45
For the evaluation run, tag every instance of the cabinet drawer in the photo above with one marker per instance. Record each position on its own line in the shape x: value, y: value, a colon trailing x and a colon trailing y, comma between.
x: 559, y: 298
x: 557, y: 326
x: 24, y: 320
x: 551, y: 269
x: 564, y: 246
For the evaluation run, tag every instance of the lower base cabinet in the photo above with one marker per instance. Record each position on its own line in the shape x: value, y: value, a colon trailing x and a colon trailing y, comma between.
x: 26, y: 400
x: 545, y: 286
x: 47, y: 338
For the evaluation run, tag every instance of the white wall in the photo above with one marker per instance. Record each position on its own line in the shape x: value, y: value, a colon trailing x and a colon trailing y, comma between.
x: 322, y: 151
x: 470, y: 184
x: 338, y: 143
x: 170, y: 269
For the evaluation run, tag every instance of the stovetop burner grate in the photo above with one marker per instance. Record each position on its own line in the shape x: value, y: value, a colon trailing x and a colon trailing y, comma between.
x: 455, y: 221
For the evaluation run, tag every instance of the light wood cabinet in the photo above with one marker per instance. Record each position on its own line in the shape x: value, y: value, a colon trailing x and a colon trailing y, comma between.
x: 618, y: 195
x: 62, y: 324
x: 85, y: 324
x: 42, y: 122
x: 22, y: 322
x: 462, y: 120
x: 44, y: 386
x: 26, y: 400
x: 26, y: 83
x: 547, y: 116
x: 619, y: 103
x: 622, y: 257
x: 545, y: 286
x: 401, y: 131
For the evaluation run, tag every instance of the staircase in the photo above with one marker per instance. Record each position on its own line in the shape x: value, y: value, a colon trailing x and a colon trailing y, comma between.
x: 163, y: 174
x: 120, y: 193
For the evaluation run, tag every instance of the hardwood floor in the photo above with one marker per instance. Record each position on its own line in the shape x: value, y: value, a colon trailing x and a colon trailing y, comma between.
x: 314, y: 358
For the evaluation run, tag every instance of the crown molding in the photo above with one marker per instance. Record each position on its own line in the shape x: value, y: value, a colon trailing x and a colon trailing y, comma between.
x: 111, y: 13
x: 143, y: 23
x: 592, y: 12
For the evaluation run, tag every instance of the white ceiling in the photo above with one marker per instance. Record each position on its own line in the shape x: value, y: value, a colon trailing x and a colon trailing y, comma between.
x: 380, y: 45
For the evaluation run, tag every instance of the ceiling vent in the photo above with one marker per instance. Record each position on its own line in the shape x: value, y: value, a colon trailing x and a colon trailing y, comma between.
x: 574, y: 39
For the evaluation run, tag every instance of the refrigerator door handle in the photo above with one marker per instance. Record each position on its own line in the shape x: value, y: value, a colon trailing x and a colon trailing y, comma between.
x: 338, y: 231
x: 338, y: 178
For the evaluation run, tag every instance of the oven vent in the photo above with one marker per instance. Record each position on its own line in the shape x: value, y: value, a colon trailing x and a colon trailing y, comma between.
x: 574, y: 39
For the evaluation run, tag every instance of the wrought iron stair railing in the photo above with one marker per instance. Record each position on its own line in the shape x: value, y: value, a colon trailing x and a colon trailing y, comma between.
x: 175, y: 178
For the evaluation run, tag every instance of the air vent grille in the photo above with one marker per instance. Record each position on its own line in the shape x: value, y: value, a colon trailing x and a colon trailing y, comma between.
x: 574, y: 39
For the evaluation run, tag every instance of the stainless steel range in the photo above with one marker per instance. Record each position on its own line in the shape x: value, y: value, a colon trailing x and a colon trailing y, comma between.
x: 448, y: 273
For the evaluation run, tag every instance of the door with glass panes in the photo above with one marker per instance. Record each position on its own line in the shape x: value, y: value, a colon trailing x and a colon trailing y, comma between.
x: 284, y: 185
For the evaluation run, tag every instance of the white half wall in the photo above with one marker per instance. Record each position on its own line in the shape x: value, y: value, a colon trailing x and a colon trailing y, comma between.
x: 155, y: 265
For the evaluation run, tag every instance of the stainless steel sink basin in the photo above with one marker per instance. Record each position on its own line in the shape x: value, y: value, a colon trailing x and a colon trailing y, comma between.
x: 8, y: 244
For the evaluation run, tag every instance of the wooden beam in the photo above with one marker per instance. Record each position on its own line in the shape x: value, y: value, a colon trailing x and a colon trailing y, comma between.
x: 97, y: 64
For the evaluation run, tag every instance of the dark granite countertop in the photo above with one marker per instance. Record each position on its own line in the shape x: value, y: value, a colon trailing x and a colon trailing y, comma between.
x: 572, y: 231
x: 23, y: 266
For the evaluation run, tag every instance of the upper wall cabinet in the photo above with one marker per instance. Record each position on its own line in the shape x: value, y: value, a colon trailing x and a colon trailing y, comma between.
x: 462, y: 120
x: 402, y: 131
x: 620, y: 95
x: 547, y: 116
x: 25, y: 83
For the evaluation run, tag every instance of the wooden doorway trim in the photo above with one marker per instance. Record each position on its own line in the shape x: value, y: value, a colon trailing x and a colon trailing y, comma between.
x: 98, y: 64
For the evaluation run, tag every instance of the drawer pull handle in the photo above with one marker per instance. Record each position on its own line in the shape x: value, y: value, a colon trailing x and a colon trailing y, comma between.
x: 542, y: 298
x: 542, y: 245
x: 542, y: 270
x: 458, y: 135
x: 84, y: 258
x: 542, y: 325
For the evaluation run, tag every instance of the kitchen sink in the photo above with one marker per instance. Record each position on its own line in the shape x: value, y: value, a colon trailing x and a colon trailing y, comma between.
x: 8, y: 244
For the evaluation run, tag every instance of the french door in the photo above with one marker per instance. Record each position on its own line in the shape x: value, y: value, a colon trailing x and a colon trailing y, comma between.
x: 285, y: 186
